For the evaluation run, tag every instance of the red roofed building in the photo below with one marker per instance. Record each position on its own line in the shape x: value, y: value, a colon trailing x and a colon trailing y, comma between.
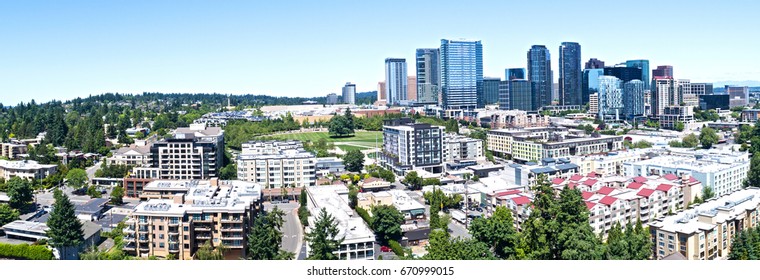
x: 635, y: 185
x: 587, y: 195
x: 590, y: 182
x: 645, y: 192
x: 576, y: 177
x: 590, y: 205
x: 505, y: 193
x: 639, y: 179
x: 664, y: 187
x: 521, y: 200
x: 572, y: 185
x: 670, y: 177
x: 608, y: 200
x: 557, y: 181
x: 592, y: 175
x: 605, y: 190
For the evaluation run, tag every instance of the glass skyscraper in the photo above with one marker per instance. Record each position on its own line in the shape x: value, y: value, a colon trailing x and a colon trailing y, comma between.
x: 428, y: 75
x: 514, y: 73
x: 504, y: 95
x: 395, y: 80
x: 570, y: 74
x: 633, y: 99
x: 520, y: 97
x: 461, y: 74
x: 490, y: 94
x: 540, y: 75
x: 610, y: 97
x: 623, y: 72
x: 644, y: 65
x: 590, y: 82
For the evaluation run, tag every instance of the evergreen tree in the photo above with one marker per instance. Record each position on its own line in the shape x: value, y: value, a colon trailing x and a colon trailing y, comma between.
x: 20, y: 192
x: 541, y: 228
x: 576, y: 239
x: 354, y: 161
x: 323, y: 238
x: 617, y: 244
x: 498, y: 231
x: 65, y: 230
x: 753, y: 177
x: 266, y: 236
x: 707, y: 193
x: 7, y: 214
x: 117, y: 195
x: 639, y: 241
x: 441, y: 247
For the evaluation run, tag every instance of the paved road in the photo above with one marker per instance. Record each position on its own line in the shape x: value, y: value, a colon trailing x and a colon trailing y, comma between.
x: 91, y: 170
x: 292, y: 237
x: 457, y: 229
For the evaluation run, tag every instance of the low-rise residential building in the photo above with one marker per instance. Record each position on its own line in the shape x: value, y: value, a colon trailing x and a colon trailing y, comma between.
x: 706, y: 231
x: 329, y: 165
x: 374, y: 184
x: 277, y: 164
x: 457, y: 147
x: 675, y: 114
x: 412, y: 209
x: 517, y: 119
x: 610, y: 163
x: 34, y: 231
x: 132, y: 155
x: 12, y: 150
x: 723, y: 171
x: 27, y: 169
x: 358, y: 238
x: 526, y: 174
x: 182, y: 215
x: 534, y: 144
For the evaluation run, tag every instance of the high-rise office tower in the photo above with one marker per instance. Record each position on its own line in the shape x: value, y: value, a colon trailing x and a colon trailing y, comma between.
x: 490, y: 94
x: 411, y: 88
x: 504, y: 95
x: 332, y: 98
x: 664, y: 94
x: 690, y: 92
x: 590, y: 82
x: 663, y: 71
x: 461, y: 74
x: 570, y: 74
x: 349, y: 93
x: 633, y: 99
x: 428, y: 75
x: 623, y: 72
x: 395, y: 80
x: 644, y: 65
x: 540, y: 75
x: 610, y: 97
x: 738, y: 96
x: 520, y: 95
x: 381, y: 91
x: 594, y: 64
x: 514, y: 74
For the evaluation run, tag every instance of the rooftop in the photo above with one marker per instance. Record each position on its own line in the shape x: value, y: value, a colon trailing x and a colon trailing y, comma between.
x: 333, y: 198
x: 721, y: 209
x: 24, y: 165
x: 199, y: 196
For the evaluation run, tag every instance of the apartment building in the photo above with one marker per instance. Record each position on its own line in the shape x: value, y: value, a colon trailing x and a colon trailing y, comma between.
x: 12, y: 150
x: 276, y: 164
x: 358, y: 239
x: 534, y: 144
x: 132, y: 155
x: 457, y: 147
x: 408, y: 145
x: 610, y: 163
x: 675, y: 114
x: 27, y: 169
x: 706, y: 231
x: 182, y: 215
x: 193, y: 152
x: 516, y: 118
x: 723, y: 171
x: 526, y: 174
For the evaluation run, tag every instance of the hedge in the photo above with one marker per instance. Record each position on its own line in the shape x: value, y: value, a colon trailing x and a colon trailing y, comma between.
x: 363, y: 213
x: 25, y: 252
x: 396, y: 247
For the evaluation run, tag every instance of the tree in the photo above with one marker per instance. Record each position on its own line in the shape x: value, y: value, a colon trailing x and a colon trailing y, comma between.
x: 386, y: 222
x: 341, y: 126
x: 266, y: 236
x: 93, y: 192
x: 117, y: 195
x: 20, y: 192
x: 576, y: 239
x: 707, y: 193
x: 412, y: 180
x: 353, y: 196
x: 617, y: 244
x: 639, y: 242
x: 679, y: 126
x: 208, y: 252
x: 431, y: 182
x: 690, y: 141
x: 753, y: 177
x: 498, y: 232
x: 7, y: 214
x: 441, y: 247
x: 76, y: 178
x: 354, y: 161
x: 541, y: 228
x: 65, y: 230
x: 708, y: 137
x: 302, y: 198
x: 323, y: 238
x: 228, y: 172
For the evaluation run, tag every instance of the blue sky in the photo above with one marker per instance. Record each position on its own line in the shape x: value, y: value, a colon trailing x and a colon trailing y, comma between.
x: 64, y: 49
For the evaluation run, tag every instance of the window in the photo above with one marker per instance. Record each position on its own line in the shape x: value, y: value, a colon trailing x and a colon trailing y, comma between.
x: 161, y: 245
x: 160, y: 227
x: 186, y: 228
x: 161, y: 236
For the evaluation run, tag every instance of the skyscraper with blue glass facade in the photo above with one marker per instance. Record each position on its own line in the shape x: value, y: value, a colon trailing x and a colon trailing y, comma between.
x: 540, y: 76
x: 570, y: 74
x: 428, y: 75
x: 520, y: 95
x: 633, y: 99
x: 490, y: 94
x: 590, y: 82
x: 461, y: 74
x: 610, y: 98
x: 644, y: 65
x: 514, y: 73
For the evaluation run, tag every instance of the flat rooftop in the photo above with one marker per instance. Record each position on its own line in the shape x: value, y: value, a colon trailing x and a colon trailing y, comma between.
x: 199, y: 196
x: 722, y: 209
x: 334, y: 199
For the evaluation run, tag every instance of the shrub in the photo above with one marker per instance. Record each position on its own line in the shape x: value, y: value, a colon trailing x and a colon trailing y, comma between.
x: 303, y: 215
x: 396, y: 247
x: 25, y: 252
x: 363, y: 213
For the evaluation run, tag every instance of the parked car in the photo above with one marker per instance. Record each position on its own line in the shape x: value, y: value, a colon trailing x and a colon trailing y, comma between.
x: 385, y: 249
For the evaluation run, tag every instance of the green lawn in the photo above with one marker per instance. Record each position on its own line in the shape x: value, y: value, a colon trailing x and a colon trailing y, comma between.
x: 363, y: 138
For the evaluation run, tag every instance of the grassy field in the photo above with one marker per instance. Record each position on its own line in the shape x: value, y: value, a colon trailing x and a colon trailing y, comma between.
x: 362, y: 138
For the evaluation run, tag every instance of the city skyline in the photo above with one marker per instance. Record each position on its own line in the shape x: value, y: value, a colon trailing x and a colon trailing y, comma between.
x: 63, y: 51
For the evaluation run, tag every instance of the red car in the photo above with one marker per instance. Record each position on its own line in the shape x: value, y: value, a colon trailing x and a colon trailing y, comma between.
x: 385, y: 248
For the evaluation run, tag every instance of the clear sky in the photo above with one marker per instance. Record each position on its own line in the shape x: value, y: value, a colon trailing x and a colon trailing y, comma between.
x: 64, y: 49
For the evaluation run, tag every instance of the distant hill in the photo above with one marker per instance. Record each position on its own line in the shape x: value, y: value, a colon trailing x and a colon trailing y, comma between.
x: 368, y: 97
x: 748, y: 83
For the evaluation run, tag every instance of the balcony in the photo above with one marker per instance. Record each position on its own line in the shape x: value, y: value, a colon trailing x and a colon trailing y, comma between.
x: 143, y: 229
x: 143, y: 222
x: 232, y: 220
x: 173, y: 249
x: 129, y: 237
x: 144, y: 249
x: 203, y: 236
x: 232, y: 237
x: 202, y: 229
x: 174, y: 222
x: 173, y: 233
x: 232, y: 229
x: 129, y: 229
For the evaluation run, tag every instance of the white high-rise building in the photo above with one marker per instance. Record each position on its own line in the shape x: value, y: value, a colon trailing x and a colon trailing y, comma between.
x: 276, y: 164
x: 349, y: 93
x: 395, y: 80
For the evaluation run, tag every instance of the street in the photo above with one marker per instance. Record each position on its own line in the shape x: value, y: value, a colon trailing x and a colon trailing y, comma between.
x: 292, y: 236
x: 91, y: 170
